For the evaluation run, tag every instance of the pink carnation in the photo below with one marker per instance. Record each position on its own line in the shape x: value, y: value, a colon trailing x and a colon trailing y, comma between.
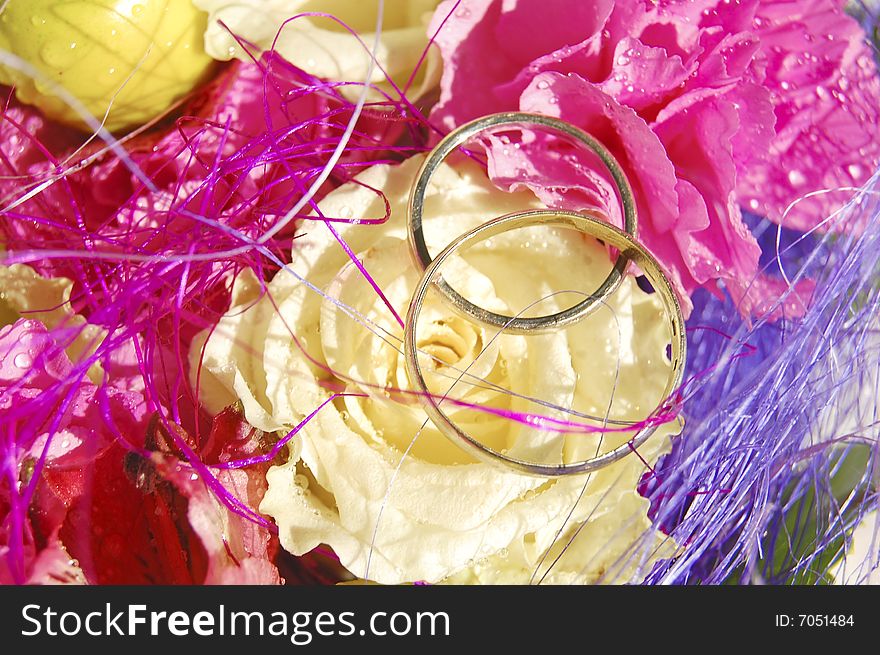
x: 708, y: 105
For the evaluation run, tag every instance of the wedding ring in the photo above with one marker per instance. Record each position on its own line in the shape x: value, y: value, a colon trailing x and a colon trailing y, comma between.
x: 630, y: 251
x: 460, y: 136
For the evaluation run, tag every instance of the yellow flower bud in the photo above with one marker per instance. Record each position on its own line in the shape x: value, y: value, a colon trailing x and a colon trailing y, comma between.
x: 133, y: 57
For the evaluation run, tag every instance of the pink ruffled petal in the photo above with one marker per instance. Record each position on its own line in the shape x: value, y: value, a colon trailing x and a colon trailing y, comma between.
x: 641, y: 154
x: 755, y: 104
x: 826, y: 98
x: 771, y: 298
x: 698, y: 140
x: 644, y: 77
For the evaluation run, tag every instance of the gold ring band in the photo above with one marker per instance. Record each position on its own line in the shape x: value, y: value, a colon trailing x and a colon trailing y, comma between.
x: 456, y: 138
x: 611, y: 235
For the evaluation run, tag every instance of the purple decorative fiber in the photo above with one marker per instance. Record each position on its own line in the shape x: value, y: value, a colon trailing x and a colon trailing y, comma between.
x: 778, y: 459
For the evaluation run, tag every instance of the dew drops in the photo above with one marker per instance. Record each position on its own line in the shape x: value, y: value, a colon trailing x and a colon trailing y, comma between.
x: 796, y: 178
x: 821, y: 92
x: 855, y: 171
x: 754, y: 205
x: 136, y: 9
x: 23, y: 361
x: 543, y: 84
x: 54, y: 55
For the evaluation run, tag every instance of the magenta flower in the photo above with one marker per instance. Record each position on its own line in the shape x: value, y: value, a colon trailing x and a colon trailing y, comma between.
x: 709, y: 105
x: 55, y: 423
x: 80, y: 502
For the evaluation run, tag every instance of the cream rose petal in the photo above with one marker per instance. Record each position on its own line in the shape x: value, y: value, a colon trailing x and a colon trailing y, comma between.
x: 25, y: 293
x: 323, y: 47
x: 436, y: 514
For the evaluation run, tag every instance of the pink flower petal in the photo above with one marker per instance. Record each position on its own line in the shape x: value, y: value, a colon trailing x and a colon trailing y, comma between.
x: 826, y: 97
x: 755, y: 103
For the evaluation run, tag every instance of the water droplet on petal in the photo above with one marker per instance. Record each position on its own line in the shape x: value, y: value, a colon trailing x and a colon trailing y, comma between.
x: 856, y: 171
x: 54, y: 55
x: 796, y: 178
x: 23, y: 361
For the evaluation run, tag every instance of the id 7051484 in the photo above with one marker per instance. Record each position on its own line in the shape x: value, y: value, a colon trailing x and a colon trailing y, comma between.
x: 814, y: 621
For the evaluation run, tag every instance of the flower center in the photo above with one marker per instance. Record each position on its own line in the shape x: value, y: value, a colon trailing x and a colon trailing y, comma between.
x: 445, y: 342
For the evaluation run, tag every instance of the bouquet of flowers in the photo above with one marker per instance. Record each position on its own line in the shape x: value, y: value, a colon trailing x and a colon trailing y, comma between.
x: 226, y: 355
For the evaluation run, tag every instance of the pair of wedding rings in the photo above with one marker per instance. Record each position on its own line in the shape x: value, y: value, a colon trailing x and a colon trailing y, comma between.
x: 589, y: 223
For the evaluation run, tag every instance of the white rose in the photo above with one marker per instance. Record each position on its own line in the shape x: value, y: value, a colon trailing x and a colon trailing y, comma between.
x: 438, y: 515
x: 323, y: 47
